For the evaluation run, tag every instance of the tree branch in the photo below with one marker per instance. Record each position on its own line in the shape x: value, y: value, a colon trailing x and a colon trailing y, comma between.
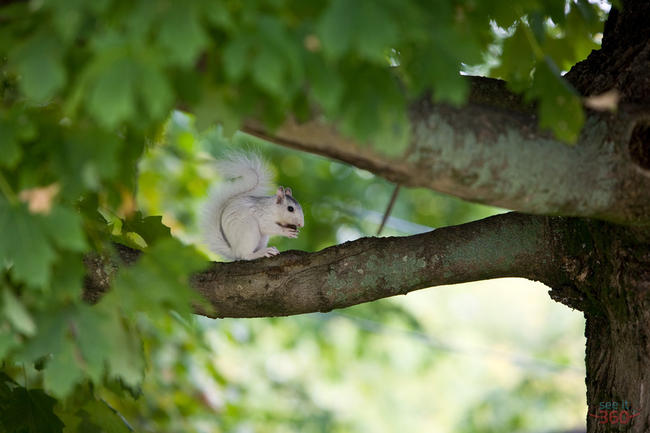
x: 507, y: 245
x: 491, y: 151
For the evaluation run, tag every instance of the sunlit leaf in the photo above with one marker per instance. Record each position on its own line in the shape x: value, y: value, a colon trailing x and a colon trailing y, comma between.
x: 560, y: 107
x: 18, y: 316
x: 517, y: 60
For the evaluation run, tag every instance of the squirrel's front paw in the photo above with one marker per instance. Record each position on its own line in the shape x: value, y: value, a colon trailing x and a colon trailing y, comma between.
x: 290, y: 232
x: 271, y: 251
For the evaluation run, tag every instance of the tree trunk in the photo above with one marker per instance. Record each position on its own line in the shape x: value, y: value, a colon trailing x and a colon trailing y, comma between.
x: 617, y: 308
x: 618, y: 374
x: 618, y: 317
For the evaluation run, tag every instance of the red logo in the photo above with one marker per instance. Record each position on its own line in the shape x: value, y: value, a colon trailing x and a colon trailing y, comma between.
x: 614, y: 412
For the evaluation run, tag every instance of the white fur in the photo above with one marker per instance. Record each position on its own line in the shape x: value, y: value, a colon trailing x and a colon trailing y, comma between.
x: 240, y: 210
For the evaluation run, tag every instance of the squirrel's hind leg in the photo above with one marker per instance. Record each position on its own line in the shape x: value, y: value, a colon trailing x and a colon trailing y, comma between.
x: 264, y: 252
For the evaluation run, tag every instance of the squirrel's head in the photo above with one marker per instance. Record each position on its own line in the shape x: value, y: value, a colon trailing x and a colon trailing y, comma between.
x: 288, y: 211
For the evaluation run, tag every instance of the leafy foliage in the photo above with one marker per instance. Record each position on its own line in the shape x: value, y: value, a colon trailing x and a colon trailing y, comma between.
x: 26, y: 411
x: 91, y: 151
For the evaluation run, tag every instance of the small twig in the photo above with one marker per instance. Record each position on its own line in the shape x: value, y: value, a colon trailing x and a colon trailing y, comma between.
x: 116, y: 412
x: 388, y: 209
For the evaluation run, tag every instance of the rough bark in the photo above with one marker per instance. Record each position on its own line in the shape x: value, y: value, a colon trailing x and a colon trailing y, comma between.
x: 618, y: 370
x: 491, y: 151
x: 295, y: 282
x: 623, y: 61
x: 616, y: 288
x: 618, y: 318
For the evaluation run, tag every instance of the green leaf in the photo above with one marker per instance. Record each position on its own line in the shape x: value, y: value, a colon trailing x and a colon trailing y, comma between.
x: 325, y: 83
x: 552, y: 8
x: 268, y: 72
x: 450, y: 85
x: 8, y: 340
x: 62, y: 372
x: 110, y: 97
x: 181, y: 33
x: 6, y: 385
x: 517, y: 60
x: 371, y: 43
x: 235, y: 58
x: 502, y: 13
x: 219, y: 15
x: 9, y: 148
x: 336, y: 27
x: 70, y: 420
x: 99, y: 414
x: 25, y: 244
x: 86, y: 160
x: 67, y: 277
x: 138, y: 232
x: 17, y: 314
x: 126, y: 360
x: 38, y: 62
x: 392, y: 137
x: 159, y: 280
x: 67, y: 20
x: 155, y: 91
x: 368, y: 115
x: 29, y: 239
x: 28, y: 411
x: 85, y: 340
x: 581, y: 24
x: 537, y: 26
x: 135, y: 240
x: 560, y: 107
x: 95, y: 339
x: 151, y: 228
x: 63, y: 226
x: 561, y: 51
x: 366, y: 26
x: 52, y: 328
x: 215, y: 109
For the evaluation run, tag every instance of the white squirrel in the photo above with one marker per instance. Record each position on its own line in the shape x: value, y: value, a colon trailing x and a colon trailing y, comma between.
x: 238, y: 218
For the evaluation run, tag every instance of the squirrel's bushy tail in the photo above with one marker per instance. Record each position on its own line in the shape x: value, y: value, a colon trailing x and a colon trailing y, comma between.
x: 241, y: 173
x: 244, y: 173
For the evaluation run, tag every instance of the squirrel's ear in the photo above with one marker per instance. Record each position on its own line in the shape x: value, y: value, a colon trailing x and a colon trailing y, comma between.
x: 287, y: 191
x: 279, y: 196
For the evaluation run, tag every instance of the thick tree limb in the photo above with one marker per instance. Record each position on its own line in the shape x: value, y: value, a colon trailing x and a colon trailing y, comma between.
x: 507, y: 245
x: 623, y: 61
x: 491, y: 151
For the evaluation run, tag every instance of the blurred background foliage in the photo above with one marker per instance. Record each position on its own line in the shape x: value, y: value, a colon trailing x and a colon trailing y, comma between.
x: 484, y: 357
x: 94, y: 149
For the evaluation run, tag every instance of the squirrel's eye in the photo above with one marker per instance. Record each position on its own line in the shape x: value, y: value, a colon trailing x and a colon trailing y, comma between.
x: 290, y: 208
